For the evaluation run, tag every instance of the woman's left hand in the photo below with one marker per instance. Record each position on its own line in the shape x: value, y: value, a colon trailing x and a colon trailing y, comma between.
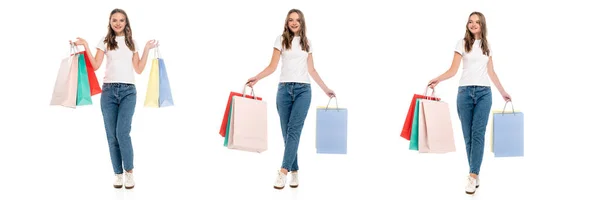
x: 506, y: 97
x: 151, y: 44
x: 329, y: 93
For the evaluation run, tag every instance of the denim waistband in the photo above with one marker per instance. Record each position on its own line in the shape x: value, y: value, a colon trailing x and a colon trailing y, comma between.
x: 118, y: 85
x: 474, y: 86
x: 293, y: 83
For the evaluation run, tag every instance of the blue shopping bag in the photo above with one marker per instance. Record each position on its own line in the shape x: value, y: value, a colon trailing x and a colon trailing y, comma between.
x: 332, y: 130
x: 508, y: 133
x: 165, y: 98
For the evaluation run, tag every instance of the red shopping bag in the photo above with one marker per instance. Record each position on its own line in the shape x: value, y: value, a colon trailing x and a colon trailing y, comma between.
x: 226, y: 115
x: 406, y: 130
x: 94, y: 84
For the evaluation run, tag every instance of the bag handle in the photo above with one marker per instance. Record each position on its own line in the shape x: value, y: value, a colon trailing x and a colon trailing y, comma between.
x: 511, y: 105
x: 432, y: 93
x: 72, y: 50
x: 252, y: 91
x: 157, y: 51
x: 336, y: 104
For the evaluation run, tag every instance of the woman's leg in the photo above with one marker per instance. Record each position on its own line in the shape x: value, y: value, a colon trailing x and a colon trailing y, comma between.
x: 284, y: 108
x: 109, y: 107
x: 465, y: 106
x: 481, y: 112
x: 128, y: 97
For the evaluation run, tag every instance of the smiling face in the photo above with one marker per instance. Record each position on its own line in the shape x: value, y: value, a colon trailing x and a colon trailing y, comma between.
x: 294, y: 23
x: 474, y: 24
x: 118, y: 21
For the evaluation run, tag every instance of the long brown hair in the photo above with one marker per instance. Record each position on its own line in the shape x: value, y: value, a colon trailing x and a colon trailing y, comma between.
x: 288, y: 35
x: 470, y: 38
x: 111, y: 35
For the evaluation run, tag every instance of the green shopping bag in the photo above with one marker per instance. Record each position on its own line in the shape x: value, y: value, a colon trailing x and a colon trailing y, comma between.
x: 83, y: 85
x: 414, y: 134
x: 226, y: 142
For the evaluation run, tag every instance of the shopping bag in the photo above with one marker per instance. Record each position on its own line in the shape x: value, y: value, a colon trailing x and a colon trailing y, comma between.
x: 226, y: 139
x: 153, y: 86
x: 414, y: 136
x: 165, y: 97
x: 436, y: 134
x: 248, y: 125
x: 407, y: 128
x: 65, y: 86
x: 224, y: 125
x: 83, y: 84
x: 92, y: 79
x: 508, y: 133
x: 332, y: 130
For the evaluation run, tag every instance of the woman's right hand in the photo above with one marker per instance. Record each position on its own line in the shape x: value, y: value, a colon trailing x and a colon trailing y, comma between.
x: 79, y: 41
x: 433, y: 83
x: 252, y: 81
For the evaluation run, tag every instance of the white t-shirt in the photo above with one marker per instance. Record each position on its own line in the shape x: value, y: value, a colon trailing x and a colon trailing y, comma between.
x: 294, y: 66
x: 119, y: 62
x: 474, y: 64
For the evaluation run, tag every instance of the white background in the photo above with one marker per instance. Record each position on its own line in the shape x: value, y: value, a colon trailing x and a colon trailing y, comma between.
x: 374, y: 54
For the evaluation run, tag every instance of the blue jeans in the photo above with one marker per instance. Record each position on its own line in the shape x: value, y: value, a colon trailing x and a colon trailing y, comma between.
x: 118, y: 105
x: 474, y: 104
x: 293, y: 102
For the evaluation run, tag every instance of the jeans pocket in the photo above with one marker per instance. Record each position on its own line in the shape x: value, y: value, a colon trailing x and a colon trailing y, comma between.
x: 462, y: 89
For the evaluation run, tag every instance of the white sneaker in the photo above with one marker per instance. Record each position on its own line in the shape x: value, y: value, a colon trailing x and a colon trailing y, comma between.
x: 471, y: 185
x: 118, y: 181
x: 294, y: 181
x: 129, y: 183
x: 280, y: 180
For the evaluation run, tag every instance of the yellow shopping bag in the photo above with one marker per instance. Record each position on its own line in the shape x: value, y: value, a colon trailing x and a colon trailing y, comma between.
x: 152, y: 90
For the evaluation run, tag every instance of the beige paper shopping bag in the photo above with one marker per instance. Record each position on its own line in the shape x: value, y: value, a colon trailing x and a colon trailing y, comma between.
x: 248, y: 126
x: 438, y: 135
x: 65, y: 87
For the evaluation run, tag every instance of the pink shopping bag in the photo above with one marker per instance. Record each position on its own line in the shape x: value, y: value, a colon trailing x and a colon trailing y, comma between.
x: 248, y: 125
x: 65, y: 86
x: 435, y: 127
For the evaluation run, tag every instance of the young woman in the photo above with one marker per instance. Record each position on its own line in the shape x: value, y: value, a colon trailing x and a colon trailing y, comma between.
x: 474, y: 100
x: 118, y: 98
x: 294, y: 90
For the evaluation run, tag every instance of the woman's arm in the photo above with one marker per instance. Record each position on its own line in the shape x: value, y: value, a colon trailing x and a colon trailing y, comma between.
x: 450, y: 72
x: 268, y: 70
x: 95, y: 60
x: 272, y: 65
x: 494, y: 78
x: 314, y: 74
x: 140, y: 64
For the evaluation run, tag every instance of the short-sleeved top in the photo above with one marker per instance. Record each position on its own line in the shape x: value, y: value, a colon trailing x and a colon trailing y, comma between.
x: 474, y: 64
x: 119, y: 63
x: 294, y: 67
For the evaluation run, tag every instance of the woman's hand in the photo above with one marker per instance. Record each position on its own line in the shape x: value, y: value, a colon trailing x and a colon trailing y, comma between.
x: 151, y: 44
x: 433, y: 83
x: 252, y: 81
x: 79, y: 41
x: 506, y: 96
x: 329, y: 92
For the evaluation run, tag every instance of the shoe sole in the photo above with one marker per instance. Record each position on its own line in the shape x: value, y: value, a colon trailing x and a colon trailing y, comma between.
x: 129, y: 187
x: 473, y: 191
x: 117, y: 186
x: 293, y: 186
x: 279, y: 188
